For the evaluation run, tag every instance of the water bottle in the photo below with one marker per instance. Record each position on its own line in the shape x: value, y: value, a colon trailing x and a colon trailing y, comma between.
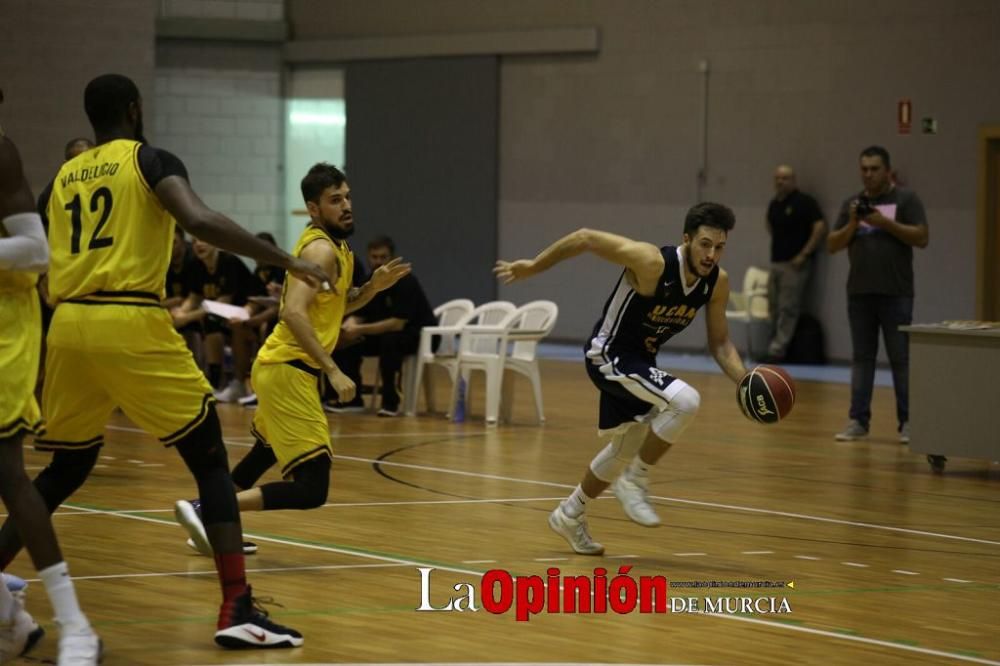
x: 459, y: 415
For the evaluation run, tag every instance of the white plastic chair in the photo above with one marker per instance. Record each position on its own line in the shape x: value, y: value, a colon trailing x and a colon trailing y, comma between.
x: 751, y: 304
x: 484, y: 347
x: 452, y: 316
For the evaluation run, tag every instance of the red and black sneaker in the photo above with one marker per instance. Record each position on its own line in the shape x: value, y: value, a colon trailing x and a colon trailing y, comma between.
x: 244, y: 624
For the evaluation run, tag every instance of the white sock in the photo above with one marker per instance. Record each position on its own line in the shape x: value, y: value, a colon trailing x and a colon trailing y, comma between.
x: 637, y: 468
x: 62, y: 594
x: 574, y: 505
x: 6, y: 602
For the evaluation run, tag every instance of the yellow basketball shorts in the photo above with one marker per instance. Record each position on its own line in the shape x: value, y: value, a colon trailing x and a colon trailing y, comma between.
x: 290, y: 417
x: 20, y: 346
x: 102, y: 356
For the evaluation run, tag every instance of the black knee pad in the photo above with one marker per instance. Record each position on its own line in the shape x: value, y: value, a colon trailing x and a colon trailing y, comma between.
x: 65, y: 474
x: 307, y: 490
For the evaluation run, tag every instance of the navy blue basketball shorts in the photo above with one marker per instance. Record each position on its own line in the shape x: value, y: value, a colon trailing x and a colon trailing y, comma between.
x: 632, y: 389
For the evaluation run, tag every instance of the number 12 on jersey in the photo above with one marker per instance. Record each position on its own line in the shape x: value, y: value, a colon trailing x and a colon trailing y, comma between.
x: 101, y: 200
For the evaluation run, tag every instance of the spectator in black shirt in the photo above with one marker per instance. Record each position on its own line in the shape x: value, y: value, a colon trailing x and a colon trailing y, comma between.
x: 225, y: 278
x: 388, y: 327
x: 796, y: 226
x: 180, y: 299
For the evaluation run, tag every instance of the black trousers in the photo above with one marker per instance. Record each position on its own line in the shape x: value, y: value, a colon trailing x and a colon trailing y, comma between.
x: 391, y: 349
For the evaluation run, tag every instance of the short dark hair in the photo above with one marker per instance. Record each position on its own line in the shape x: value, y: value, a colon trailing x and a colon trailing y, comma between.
x: 106, y: 101
x: 320, y: 177
x: 382, y: 241
x: 877, y: 151
x: 72, y: 142
x: 707, y: 214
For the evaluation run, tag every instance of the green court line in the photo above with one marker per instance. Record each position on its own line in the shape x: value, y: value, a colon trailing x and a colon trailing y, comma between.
x: 443, y: 565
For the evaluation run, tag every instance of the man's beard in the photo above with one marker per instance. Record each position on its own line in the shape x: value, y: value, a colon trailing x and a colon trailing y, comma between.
x: 338, y: 233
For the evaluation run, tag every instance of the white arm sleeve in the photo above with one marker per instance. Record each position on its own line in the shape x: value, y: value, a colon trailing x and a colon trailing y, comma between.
x: 24, y: 248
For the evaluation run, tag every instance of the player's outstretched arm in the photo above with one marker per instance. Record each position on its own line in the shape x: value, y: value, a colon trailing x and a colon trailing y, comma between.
x: 22, y: 238
x: 643, y: 259
x: 719, y: 344
x: 213, y: 227
x: 384, y: 277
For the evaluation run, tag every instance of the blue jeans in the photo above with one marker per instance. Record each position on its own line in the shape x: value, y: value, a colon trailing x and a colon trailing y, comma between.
x: 867, y: 313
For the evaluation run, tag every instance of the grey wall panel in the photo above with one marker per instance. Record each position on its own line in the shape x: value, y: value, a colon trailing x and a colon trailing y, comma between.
x: 422, y: 164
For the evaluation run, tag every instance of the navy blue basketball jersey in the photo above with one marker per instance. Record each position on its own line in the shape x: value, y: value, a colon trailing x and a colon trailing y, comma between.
x: 636, y: 324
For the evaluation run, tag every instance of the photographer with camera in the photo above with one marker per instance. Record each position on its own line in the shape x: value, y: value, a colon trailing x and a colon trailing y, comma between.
x: 879, y: 227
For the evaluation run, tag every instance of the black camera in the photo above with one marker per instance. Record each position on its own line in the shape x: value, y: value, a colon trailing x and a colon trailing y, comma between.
x: 864, y: 207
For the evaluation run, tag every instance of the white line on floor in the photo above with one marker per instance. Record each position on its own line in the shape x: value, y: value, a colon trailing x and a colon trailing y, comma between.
x: 758, y: 552
x: 688, y: 554
x: 807, y: 557
x: 905, y: 572
x: 678, y: 500
x: 957, y: 580
x: 855, y: 564
x: 856, y: 639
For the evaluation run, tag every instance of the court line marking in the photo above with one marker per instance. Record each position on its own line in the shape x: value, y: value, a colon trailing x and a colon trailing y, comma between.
x: 338, y: 435
x: 956, y: 580
x: 212, y: 572
x: 757, y: 552
x: 688, y: 554
x: 858, y: 639
x: 678, y: 500
x: 286, y: 542
x: 359, y: 504
x: 855, y: 564
x: 401, y: 561
x: 905, y: 572
x: 717, y: 505
x: 807, y: 557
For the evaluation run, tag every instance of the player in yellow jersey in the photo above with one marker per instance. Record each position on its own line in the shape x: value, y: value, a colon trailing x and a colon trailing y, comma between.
x: 24, y: 254
x: 111, y: 344
x: 290, y: 426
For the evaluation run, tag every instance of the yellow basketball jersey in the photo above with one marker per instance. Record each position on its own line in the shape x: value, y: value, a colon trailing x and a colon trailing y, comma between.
x: 326, y: 312
x: 109, y: 236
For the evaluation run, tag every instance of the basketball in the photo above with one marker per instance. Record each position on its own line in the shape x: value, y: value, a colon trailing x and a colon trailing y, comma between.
x: 766, y: 394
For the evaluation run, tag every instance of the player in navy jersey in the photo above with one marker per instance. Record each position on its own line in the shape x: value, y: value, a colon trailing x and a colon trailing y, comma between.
x: 643, y: 409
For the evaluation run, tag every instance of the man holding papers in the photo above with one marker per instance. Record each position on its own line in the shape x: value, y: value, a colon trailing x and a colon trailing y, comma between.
x: 879, y: 226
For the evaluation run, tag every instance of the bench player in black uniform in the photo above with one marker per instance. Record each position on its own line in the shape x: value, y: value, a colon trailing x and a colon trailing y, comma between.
x: 643, y: 409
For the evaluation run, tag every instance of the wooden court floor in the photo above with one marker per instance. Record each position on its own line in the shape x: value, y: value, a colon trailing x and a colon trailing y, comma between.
x: 891, y: 564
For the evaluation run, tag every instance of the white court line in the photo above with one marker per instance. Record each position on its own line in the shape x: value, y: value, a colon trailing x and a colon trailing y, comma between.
x: 363, y: 504
x: 212, y: 572
x: 857, y: 639
x: 855, y: 564
x: 397, y: 560
x: 336, y: 435
x: 478, y: 561
x: 758, y: 552
x: 905, y: 572
x: 551, y: 559
x: 678, y: 500
x: 807, y: 557
x: 311, y: 546
x: 620, y: 557
x: 715, y: 505
x: 688, y: 554
x: 956, y: 580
